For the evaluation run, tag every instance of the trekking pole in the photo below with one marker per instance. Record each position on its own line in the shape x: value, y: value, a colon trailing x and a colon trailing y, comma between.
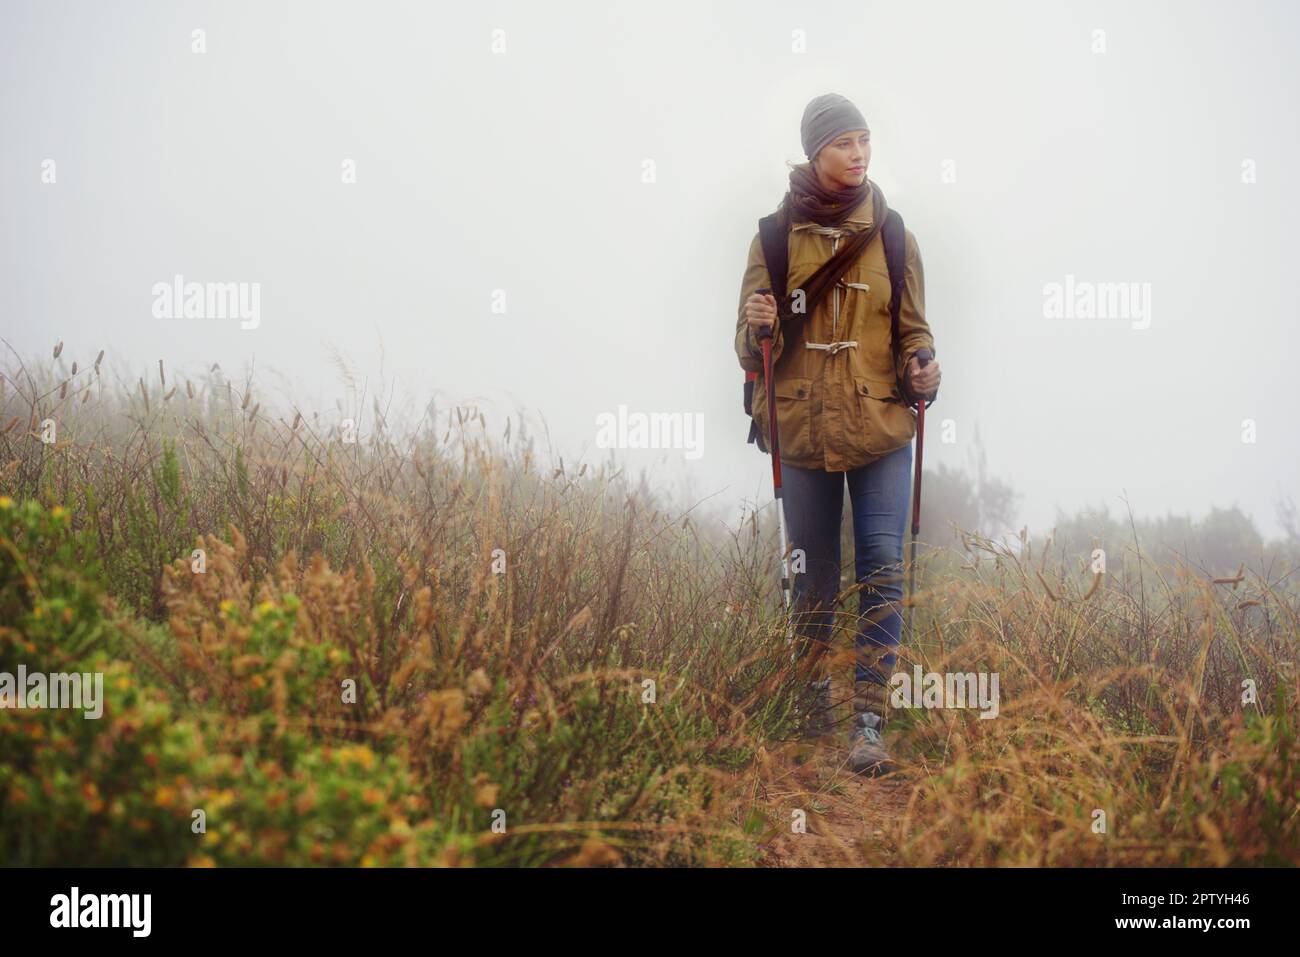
x: 774, y: 446
x: 922, y: 357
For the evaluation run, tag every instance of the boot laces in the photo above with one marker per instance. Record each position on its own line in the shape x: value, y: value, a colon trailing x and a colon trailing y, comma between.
x: 868, y: 723
x: 871, y: 735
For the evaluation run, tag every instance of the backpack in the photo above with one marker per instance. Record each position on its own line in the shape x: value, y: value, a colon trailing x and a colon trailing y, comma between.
x: 776, y: 253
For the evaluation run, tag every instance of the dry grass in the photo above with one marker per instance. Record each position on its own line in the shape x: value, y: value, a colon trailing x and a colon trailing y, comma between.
x: 502, y: 616
x: 1125, y: 736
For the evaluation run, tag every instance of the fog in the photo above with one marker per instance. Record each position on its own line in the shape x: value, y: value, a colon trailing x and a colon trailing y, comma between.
x: 547, y: 208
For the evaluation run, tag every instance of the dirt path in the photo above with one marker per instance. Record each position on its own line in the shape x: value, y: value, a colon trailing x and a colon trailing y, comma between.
x: 849, y: 818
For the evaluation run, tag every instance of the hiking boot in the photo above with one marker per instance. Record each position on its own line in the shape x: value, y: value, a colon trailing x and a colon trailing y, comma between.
x: 867, y: 753
x: 819, y: 719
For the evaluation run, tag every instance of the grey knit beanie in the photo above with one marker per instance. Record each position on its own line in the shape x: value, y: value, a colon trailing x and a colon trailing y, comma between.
x: 825, y: 118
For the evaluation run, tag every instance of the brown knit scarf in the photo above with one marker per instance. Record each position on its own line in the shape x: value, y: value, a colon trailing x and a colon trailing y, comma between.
x: 807, y: 200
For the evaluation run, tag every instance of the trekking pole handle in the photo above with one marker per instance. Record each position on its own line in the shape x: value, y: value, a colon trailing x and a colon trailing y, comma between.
x: 764, y: 332
x: 923, y: 357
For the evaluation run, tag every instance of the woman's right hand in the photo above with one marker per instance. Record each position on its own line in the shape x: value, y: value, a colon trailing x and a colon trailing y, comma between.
x: 760, y: 312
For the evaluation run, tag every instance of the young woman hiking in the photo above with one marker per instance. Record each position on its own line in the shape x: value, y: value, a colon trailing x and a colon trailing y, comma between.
x: 842, y: 407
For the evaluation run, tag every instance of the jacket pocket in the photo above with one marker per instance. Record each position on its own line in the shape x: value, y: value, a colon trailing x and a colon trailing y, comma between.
x: 793, y: 419
x: 887, y: 421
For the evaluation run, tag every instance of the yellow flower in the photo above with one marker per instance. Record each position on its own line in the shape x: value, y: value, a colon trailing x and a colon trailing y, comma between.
x: 485, y: 792
x: 357, y: 754
x: 478, y: 682
x: 164, y: 796
x: 58, y: 512
x: 265, y: 608
x: 6, y: 502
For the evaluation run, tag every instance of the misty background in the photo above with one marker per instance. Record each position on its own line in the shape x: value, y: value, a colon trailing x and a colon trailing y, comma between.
x: 605, y: 166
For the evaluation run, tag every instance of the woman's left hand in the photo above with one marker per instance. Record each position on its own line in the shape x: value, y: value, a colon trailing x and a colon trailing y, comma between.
x: 923, y: 381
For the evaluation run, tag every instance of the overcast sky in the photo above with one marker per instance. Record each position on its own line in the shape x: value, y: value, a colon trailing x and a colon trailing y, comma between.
x: 598, y: 170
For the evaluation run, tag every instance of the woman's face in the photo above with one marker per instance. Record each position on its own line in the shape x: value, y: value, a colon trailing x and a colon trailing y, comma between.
x: 842, y: 163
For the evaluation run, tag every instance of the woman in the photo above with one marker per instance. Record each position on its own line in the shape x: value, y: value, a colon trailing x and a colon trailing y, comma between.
x: 842, y: 412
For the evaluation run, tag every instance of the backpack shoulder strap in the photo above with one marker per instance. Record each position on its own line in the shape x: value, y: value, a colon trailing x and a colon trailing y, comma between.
x: 775, y: 239
x: 776, y: 251
x: 896, y: 261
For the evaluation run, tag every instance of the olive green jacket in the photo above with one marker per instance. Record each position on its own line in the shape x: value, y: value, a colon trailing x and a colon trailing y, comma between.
x: 838, y: 406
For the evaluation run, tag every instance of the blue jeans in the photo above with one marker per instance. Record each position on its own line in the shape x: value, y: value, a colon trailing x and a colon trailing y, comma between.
x: 879, y: 494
